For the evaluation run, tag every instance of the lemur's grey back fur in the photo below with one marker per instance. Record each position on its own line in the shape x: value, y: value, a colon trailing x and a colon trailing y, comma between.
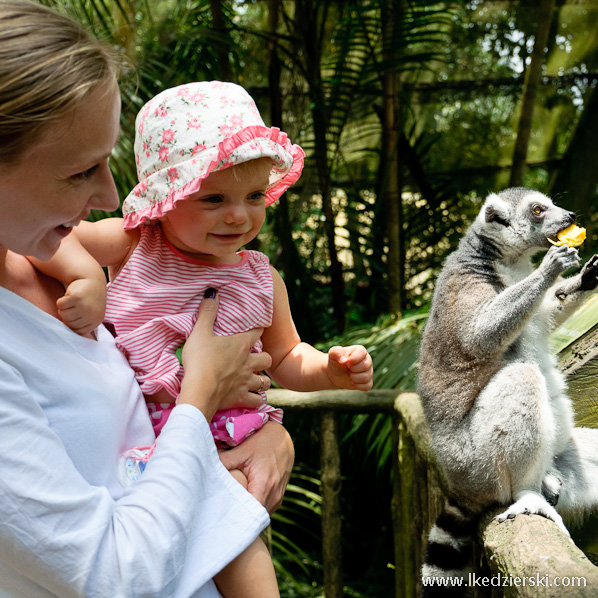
x: 493, y: 397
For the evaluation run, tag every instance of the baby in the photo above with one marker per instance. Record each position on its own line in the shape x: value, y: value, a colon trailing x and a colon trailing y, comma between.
x: 208, y: 167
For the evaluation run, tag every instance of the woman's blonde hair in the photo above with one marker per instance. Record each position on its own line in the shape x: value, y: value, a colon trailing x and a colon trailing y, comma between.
x: 48, y: 64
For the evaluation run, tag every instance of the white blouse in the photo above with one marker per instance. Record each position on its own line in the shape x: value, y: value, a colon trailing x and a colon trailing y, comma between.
x: 69, y: 408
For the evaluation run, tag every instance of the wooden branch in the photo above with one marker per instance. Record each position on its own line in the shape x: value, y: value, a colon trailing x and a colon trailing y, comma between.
x: 529, y: 552
x: 532, y: 552
x: 350, y: 401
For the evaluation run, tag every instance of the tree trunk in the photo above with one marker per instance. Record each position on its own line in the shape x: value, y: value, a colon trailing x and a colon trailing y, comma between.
x: 222, y: 45
x: 391, y: 158
x: 282, y: 224
x: 577, y: 177
x: 306, y: 23
x: 391, y: 189
x: 275, y: 96
x: 274, y: 65
x: 533, y: 75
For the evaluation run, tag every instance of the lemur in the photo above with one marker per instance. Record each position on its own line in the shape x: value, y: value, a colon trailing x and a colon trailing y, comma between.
x: 494, y: 399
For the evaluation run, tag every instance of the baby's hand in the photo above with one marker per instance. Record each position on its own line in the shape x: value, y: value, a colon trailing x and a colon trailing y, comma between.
x: 83, y: 306
x: 350, y: 367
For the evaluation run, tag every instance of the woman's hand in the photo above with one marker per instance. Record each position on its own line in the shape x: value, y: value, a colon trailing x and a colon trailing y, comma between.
x: 266, y: 459
x: 220, y: 370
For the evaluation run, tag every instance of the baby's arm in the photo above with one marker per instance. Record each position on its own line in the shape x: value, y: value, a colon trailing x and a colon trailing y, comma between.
x: 108, y: 242
x: 77, y: 264
x: 299, y: 366
x: 83, y: 305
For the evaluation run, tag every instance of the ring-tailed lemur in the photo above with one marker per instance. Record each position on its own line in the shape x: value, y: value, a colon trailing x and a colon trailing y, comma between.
x: 496, y: 404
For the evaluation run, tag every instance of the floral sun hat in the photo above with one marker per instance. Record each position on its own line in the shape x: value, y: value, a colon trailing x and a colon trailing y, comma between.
x: 185, y: 133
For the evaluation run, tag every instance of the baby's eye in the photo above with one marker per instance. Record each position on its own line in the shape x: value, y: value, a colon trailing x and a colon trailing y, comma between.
x: 211, y: 199
x: 257, y: 196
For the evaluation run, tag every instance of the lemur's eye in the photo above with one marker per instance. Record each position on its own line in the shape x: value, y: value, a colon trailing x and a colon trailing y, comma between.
x: 538, y: 209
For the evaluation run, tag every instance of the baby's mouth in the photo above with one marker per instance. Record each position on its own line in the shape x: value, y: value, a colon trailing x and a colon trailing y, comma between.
x: 229, y: 236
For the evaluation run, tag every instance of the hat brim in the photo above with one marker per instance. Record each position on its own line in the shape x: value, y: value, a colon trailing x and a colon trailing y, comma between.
x: 159, y: 193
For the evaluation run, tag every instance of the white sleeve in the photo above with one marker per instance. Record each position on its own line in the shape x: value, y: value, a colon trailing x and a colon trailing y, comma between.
x: 167, y: 536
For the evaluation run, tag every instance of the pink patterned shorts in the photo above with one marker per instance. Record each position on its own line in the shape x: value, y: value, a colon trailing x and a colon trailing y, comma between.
x: 229, y: 427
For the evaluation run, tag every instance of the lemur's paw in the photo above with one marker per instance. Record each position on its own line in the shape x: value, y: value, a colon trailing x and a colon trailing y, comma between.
x: 589, y: 274
x: 551, y: 488
x: 533, y: 504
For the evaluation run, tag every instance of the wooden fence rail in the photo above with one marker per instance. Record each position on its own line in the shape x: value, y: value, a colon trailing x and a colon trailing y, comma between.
x: 329, y: 403
x: 529, y: 553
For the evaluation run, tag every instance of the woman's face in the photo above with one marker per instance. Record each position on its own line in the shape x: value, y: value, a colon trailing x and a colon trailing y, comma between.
x: 61, y: 177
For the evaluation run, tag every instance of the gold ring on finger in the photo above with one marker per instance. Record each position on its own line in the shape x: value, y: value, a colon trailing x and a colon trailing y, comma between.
x: 261, y: 382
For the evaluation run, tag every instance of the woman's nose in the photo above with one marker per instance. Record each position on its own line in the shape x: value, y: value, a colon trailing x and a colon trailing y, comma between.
x: 105, y: 196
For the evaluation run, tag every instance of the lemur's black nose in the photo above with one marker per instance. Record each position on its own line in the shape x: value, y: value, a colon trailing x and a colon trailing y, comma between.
x: 571, y: 216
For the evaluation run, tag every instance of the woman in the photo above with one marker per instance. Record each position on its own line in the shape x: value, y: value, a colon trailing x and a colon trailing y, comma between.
x: 69, y: 406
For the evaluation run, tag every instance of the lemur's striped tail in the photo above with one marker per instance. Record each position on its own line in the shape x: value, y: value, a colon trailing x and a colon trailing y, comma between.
x: 448, y: 555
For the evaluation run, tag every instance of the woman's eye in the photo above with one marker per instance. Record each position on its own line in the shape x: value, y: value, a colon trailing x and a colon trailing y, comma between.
x: 86, y: 174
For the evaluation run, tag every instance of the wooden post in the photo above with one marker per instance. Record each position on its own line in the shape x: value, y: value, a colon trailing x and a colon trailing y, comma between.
x: 331, y: 517
x: 396, y: 512
x: 408, y: 512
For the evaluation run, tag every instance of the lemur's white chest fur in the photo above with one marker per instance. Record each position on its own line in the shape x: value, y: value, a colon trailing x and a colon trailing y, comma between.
x: 533, y: 341
x: 513, y: 273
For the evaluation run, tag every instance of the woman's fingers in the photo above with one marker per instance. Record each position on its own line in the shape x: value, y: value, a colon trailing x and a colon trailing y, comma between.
x: 258, y: 362
x: 220, y: 371
x: 259, y: 383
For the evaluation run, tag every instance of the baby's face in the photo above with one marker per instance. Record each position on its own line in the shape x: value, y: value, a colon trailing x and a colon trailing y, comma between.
x: 224, y: 215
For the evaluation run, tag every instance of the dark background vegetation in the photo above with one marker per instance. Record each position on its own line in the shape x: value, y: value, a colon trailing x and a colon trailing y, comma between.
x: 410, y: 113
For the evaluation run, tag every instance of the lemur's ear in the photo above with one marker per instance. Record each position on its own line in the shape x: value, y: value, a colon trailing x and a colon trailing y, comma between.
x: 497, y: 211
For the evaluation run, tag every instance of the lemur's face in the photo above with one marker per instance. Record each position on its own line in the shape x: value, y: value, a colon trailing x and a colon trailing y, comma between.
x: 547, y: 218
x: 523, y: 220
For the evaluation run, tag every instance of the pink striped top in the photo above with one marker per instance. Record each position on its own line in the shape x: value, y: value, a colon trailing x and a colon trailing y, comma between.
x: 153, y: 304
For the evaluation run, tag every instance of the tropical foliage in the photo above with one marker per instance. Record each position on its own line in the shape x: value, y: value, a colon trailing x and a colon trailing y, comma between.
x: 380, y: 93
x: 409, y: 112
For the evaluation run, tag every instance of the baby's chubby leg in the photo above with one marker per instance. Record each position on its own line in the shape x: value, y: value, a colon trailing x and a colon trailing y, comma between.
x: 251, y: 574
x: 239, y: 476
